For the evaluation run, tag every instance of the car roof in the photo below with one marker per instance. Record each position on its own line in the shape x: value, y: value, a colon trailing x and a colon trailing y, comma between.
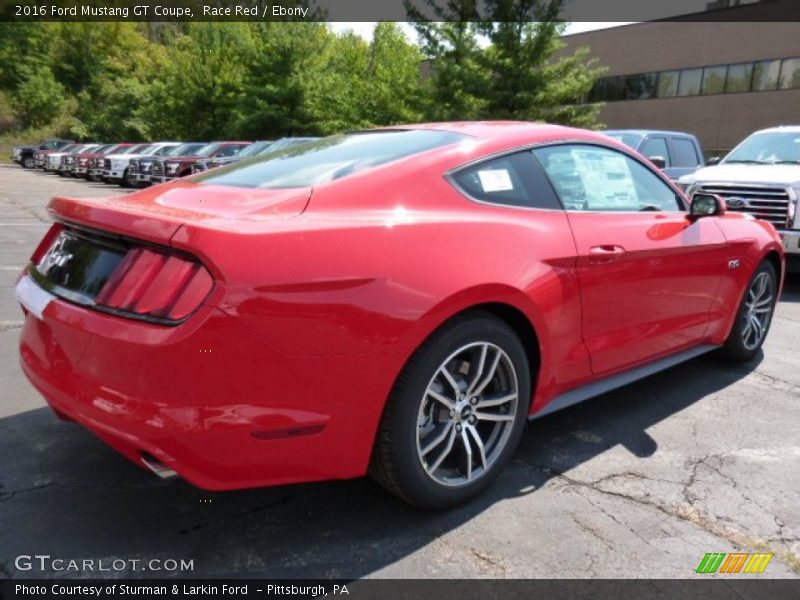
x: 647, y: 132
x: 781, y: 128
x: 491, y: 136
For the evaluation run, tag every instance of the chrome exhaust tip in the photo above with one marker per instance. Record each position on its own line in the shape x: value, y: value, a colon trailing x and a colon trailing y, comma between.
x: 157, y: 467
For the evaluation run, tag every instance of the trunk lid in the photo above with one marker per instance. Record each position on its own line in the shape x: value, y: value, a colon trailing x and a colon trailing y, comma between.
x: 155, y: 214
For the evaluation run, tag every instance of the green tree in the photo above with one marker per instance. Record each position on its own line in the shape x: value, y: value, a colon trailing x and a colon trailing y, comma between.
x: 518, y: 75
x: 284, y: 60
x: 110, y: 103
x: 458, y: 78
x: 39, y: 98
x: 200, y: 84
x: 364, y: 85
x: 527, y: 80
x: 24, y: 47
x: 395, y: 93
x: 337, y: 98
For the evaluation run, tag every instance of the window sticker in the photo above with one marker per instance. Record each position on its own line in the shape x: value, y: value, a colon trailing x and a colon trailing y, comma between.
x: 606, y: 178
x: 495, y: 180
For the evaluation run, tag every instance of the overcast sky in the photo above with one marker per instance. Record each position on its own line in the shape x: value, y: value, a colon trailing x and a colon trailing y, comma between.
x: 365, y: 29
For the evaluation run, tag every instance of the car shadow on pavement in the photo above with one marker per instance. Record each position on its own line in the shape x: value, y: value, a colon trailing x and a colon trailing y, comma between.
x: 64, y: 493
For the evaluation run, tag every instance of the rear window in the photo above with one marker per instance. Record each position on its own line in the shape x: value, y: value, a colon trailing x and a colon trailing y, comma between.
x: 186, y: 149
x: 629, y: 139
x: 328, y: 159
x: 684, y: 153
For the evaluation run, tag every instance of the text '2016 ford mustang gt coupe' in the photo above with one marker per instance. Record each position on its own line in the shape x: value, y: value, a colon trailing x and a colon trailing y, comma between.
x: 396, y: 301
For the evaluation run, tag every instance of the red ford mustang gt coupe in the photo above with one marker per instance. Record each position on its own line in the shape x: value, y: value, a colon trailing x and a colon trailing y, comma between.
x: 396, y: 301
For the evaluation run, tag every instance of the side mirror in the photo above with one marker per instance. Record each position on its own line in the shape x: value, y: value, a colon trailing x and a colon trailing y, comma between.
x: 659, y: 161
x: 706, y: 205
x: 714, y: 160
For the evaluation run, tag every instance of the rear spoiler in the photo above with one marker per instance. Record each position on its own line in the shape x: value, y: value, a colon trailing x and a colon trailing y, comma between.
x: 115, y: 215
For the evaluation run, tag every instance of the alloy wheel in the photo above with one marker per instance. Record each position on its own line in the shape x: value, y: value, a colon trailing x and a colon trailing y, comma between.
x: 467, y: 414
x: 757, y: 310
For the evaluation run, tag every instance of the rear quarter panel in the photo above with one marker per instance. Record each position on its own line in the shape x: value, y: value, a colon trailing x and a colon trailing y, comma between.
x: 375, y: 265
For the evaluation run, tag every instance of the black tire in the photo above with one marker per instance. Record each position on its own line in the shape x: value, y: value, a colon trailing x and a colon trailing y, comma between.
x: 28, y: 162
x: 741, y: 346
x: 397, y: 461
x: 125, y: 183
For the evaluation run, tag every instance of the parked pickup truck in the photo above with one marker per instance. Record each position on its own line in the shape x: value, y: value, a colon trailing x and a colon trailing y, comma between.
x: 115, y: 166
x: 97, y: 161
x: 674, y: 152
x: 53, y: 160
x: 24, y: 154
x: 254, y: 149
x: 175, y: 167
x: 66, y: 167
x: 761, y: 177
x: 142, y: 168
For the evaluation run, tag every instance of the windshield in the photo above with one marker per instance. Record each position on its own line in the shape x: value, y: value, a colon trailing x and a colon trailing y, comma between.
x: 255, y: 148
x: 164, y: 150
x: 209, y: 149
x: 768, y: 149
x: 187, y: 149
x: 629, y: 139
x: 102, y: 149
x: 289, y: 142
x: 137, y: 149
x: 328, y: 159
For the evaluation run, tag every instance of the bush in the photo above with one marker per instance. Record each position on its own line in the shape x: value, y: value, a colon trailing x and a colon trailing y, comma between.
x: 40, y: 98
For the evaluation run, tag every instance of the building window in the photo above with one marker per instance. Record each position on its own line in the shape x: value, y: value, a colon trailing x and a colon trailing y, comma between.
x: 667, y: 84
x: 739, y: 78
x: 640, y: 87
x: 790, y: 74
x: 765, y: 75
x: 761, y: 76
x: 690, y: 81
x: 714, y: 80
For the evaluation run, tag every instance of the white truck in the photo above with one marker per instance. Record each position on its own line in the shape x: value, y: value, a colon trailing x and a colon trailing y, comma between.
x: 761, y: 176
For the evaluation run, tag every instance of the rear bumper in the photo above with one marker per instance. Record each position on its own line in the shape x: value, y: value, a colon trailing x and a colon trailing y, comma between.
x: 208, y: 398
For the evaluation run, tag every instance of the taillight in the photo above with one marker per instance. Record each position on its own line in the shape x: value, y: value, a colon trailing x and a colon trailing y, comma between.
x: 46, y: 242
x: 156, y: 284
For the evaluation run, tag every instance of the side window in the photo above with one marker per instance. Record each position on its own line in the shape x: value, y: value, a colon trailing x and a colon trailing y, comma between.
x: 513, y: 180
x: 595, y: 178
x: 228, y: 151
x: 684, y: 153
x: 656, y: 147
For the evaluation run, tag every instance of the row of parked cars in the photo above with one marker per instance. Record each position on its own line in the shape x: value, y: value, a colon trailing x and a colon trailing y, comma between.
x: 761, y: 176
x: 139, y: 165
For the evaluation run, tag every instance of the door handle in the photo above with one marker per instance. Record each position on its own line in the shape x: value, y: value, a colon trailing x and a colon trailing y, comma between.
x: 606, y: 252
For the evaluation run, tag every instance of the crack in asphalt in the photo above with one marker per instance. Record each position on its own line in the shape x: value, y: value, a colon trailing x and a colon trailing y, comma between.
x: 8, y: 495
x: 777, y: 382
x: 489, y: 560
x: 688, y: 513
x: 10, y: 325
